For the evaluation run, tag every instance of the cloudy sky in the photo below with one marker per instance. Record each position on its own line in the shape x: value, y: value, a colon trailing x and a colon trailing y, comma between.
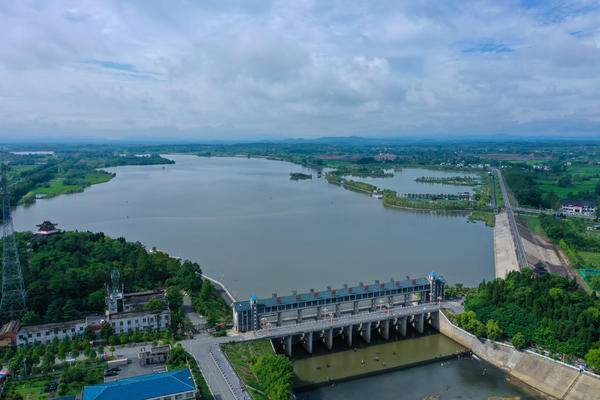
x: 220, y: 69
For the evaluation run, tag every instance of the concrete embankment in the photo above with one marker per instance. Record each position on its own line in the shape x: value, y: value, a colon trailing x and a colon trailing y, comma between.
x: 551, y: 378
x: 505, y: 255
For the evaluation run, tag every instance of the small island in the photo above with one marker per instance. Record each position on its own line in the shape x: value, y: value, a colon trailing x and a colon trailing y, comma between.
x: 450, y: 180
x: 295, y: 176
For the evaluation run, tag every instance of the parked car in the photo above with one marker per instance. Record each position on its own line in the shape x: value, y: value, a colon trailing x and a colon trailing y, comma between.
x: 111, y: 373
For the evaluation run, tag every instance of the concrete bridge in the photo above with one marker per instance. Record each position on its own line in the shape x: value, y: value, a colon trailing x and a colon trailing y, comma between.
x: 351, y: 327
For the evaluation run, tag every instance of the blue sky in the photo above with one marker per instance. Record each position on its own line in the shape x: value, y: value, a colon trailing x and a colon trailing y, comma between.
x: 220, y: 69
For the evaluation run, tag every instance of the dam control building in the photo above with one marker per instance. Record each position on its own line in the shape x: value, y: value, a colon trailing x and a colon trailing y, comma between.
x: 255, y: 314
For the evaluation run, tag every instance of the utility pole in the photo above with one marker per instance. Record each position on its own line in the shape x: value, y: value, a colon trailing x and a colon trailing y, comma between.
x: 13, y: 304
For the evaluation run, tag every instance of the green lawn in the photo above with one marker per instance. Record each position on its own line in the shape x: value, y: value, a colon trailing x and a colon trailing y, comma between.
x: 57, y: 186
x: 33, y: 389
x: 533, y: 223
x: 242, y: 356
x: 591, y: 257
x: 498, y: 191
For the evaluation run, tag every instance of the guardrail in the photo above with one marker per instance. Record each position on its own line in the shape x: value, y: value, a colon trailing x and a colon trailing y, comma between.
x: 342, y: 321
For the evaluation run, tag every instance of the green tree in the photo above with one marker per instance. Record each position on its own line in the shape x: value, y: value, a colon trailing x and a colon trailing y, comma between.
x: 30, y: 317
x: 107, y: 331
x: 175, y: 298
x: 593, y: 359
x: 155, y: 304
x: 89, y: 334
x: 519, y: 341
x: 565, y: 181
x: 493, y: 330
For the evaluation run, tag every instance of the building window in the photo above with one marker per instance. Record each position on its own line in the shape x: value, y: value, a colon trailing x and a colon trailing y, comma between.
x: 129, y: 322
x: 190, y: 395
x: 38, y: 334
x: 121, y: 323
x: 144, y: 320
x: 178, y: 396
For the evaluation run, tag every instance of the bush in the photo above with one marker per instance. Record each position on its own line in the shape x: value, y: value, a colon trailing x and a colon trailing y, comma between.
x: 276, y: 373
x: 519, y: 341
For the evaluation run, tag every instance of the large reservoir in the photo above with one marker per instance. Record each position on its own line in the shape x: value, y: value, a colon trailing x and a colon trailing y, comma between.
x: 247, y: 224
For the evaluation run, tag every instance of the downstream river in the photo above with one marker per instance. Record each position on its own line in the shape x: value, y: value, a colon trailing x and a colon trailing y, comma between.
x: 248, y: 225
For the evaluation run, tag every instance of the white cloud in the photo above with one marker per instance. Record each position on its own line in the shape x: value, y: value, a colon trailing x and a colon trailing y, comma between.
x: 224, y: 69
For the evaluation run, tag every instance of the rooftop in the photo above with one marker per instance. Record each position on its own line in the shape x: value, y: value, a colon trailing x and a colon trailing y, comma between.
x: 129, y: 314
x: 327, y: 294
x: 572, y: 202
x: 142, y: 387
x: 52, y: 325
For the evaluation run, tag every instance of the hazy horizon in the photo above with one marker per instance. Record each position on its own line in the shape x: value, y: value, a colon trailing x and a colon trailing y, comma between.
x: 272, y: 70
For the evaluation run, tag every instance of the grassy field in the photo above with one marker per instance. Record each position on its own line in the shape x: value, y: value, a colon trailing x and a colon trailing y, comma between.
x: 57, y: 185
x: 498, y: 191
x: 488, y: 217
x: 533, y: 223
x: 591, y: 257
x: 34, y: 389
x: 242, y: 356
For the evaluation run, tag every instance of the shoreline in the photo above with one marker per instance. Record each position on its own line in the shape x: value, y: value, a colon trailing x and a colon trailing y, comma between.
x: 553, y: 379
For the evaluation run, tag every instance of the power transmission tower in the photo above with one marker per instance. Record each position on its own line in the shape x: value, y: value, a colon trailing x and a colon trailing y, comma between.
x: 13, y: 304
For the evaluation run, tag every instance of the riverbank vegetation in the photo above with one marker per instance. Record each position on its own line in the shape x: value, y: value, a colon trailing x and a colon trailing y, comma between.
x: 276, y: 372
x: 67, y: 170
x: 444, y: 202
x: 549, y: 311
x: 488, y: 217
x: 296, y: 176
x: 451, y: 180
x: 242, y: 357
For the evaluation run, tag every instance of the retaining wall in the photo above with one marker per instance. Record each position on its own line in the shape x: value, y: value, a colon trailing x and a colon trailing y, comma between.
x: 553, y: 378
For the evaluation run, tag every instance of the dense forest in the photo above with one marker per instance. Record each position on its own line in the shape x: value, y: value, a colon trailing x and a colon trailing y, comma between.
x: 65, y: 275
x: 549, y: 311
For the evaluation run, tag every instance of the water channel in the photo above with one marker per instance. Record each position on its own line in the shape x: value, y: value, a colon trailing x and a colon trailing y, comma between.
x: 248, y: 225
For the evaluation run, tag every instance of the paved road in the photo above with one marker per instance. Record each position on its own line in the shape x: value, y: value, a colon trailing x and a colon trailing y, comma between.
x: 521, y: 257
x: 202, y: 348
x: 549, y: 212
x: 189, y: 311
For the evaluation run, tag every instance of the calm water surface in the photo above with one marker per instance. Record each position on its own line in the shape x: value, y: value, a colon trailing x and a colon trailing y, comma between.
x: 248, y: 225
x: 403, y: 182
x: 449, y: 380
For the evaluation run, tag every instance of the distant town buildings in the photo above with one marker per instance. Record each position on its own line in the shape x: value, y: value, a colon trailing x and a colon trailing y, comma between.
x: 578, y: 207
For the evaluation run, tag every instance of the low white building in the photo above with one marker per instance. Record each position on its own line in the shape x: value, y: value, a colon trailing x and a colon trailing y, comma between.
x: 578, y: 207
x: 141, y: 321
x: 45, y: 333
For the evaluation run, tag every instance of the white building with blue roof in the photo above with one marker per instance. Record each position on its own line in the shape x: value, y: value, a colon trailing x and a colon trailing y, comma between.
x: 172, y: 385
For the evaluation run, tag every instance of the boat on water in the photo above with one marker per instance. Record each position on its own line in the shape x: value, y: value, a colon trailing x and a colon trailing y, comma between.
x: 376, y: 195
